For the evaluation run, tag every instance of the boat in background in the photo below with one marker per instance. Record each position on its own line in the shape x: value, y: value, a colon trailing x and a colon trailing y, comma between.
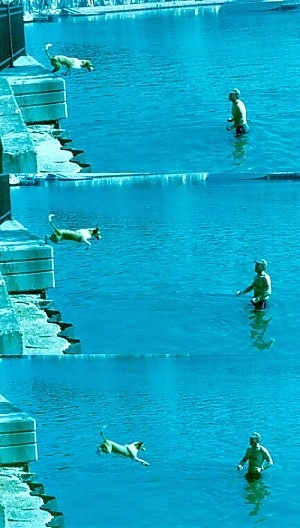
x: 39, y: 11
x: 253, y: 6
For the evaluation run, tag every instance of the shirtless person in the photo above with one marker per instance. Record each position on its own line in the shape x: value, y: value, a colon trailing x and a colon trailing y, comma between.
x: 261, y: 286
x: 259, y: 458
x: 239, y: 114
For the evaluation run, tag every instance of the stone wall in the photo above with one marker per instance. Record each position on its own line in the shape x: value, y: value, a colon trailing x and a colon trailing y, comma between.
x: 29, y: 94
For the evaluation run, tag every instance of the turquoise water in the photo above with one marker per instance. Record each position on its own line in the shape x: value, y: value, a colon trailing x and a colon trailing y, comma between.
x: 157, y: 100
x: 171, y: 356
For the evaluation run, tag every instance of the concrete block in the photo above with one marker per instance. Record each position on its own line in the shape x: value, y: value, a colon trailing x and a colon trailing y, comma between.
x: 33, y: 99
x: 8, y: 105
x: 48, y: 113
x: 29, y: 282
x: 40, y: 100
x: 26, y: 262
x: 13, y: 420
x: 11, y: 439
x: 11, y: 342
x: 5, y: 88
x: 57, y: 520
x: 19, y: 448
x: 36, y: 85
x: 18, y: 152
x: 26, y: 266
x: 18, y: 454
x: 50, y: 503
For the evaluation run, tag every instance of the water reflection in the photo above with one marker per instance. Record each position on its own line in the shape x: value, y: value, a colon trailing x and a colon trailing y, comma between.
x: 239, y: 148
x: 259, y: 321
x: 255, y: 493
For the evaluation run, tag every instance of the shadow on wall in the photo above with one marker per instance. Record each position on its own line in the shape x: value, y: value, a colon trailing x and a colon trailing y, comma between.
x: 5, y: 203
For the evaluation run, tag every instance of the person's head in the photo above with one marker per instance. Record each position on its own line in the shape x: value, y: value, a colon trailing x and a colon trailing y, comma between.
x: 254, y: 439
x: 234, y: 95
x: 260, y: 265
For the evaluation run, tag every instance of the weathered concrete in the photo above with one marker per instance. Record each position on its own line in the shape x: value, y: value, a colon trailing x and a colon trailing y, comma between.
x: 18, y: 506
x: 40, y: 95
x: 18, y: 443
x: 29, y: 94
x: 40, y: 337
x: 26, y: 262
x: 11, y: 342
x: 17, y: 150
x: 51, y: 156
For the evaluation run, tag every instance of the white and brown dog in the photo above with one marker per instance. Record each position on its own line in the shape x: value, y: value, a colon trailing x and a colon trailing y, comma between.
x: 127, y: 450
x: 80, y: 235
x: 67, y: 63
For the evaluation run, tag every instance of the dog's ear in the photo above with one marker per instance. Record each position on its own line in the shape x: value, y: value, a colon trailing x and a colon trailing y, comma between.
x: 140, y: 445
x: 97, y: 233
x: 87, y: 64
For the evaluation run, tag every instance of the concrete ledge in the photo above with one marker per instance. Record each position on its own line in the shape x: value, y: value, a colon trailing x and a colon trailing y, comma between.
x: 40, y: 95
x: 18, y: 153
x: 26, y: 262
x: 19, y: 507
x: 16, y: 448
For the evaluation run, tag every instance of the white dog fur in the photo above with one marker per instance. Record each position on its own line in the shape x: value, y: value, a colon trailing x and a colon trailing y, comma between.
x: 127, y: 450
x: 67, y: 63
x: 80, y: 235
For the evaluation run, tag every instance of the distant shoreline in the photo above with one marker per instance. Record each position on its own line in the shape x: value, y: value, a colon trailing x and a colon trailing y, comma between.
x: 110, y: 9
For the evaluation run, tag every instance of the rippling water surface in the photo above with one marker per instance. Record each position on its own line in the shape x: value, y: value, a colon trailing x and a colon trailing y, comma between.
x: 171, y: 355
x: 158, y: 97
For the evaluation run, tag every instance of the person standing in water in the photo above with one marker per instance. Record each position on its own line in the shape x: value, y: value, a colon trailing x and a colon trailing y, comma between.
x: 261, y: 286
x: 239, y: 114
x: 258, y: 457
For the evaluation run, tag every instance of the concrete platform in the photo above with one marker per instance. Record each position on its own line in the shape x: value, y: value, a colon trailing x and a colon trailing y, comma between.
x: 40, y: 95
x: 18, y: 443
x: 18, y: 152
x: 18, y: 507
x: 29, y: 94
x: 26, y: 262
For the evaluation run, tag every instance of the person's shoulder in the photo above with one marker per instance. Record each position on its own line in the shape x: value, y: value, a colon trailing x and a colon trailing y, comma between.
x: 264, y: 449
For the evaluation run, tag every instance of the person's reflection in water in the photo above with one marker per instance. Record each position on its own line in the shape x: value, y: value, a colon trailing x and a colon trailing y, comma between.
x: 259, y: 321
x: 255, y: 493
x: 239, y: 148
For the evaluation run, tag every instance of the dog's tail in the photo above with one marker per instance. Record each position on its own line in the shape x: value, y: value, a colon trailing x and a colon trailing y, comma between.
x: 50, y: 216
x: 102, y: 434
x: 47, y: 50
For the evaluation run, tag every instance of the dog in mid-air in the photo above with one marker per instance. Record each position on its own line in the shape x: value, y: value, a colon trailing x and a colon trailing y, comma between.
x: 127, y: 450
x: 66, y: 64
x: 79, y: 235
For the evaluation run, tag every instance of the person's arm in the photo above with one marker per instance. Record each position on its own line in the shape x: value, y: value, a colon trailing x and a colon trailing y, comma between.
x: 243, y: 461
x: 230, y: 120
x: 268, y: 461
x: 246, y: 290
